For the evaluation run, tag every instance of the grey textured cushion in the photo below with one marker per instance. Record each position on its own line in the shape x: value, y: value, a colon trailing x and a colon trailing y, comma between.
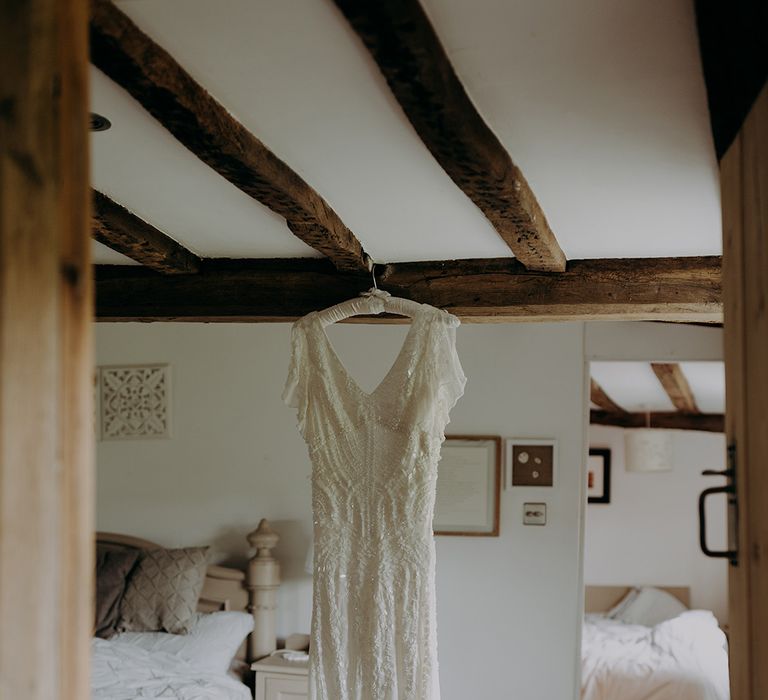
x: 163, y: 591
x: 112, y: 569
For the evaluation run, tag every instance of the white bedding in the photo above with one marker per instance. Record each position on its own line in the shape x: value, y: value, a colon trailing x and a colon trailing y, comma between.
x: 684, y: 658
x: 121, y: 671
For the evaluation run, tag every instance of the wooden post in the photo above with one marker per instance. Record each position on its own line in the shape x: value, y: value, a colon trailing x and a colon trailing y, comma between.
x: 744, y: 182
x: 46, y: 416
x: 262, y: 583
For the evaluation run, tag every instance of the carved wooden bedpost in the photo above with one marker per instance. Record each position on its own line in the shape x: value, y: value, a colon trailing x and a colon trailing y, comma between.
x: 262, y: 583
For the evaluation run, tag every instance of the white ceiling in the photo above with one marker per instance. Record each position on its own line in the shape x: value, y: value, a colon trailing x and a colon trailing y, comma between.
x: 634, y: 386
x: 602, y: 104
x: 143, y: 167
x: 707, y: 381
x: 106, y: 256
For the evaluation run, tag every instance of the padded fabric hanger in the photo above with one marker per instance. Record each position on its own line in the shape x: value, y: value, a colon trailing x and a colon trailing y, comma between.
x: 374, y: 301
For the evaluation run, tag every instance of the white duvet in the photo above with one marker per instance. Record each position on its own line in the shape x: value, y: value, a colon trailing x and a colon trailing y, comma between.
x: 121, y: 671
x: 681, y: 659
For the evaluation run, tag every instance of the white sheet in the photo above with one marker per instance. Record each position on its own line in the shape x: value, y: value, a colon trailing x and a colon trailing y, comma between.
x: 684, y: 658
x: 121, y: 671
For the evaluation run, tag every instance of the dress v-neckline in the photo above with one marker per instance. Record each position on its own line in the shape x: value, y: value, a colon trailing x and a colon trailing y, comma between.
x: 331, y: 351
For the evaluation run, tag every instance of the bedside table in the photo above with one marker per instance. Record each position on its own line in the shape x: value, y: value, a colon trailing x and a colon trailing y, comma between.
x: 278, y: 679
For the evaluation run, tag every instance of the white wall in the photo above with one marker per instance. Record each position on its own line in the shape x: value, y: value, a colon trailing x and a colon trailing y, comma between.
x: 508, y: 607
x: 628, y: 340
x: 648, y: 534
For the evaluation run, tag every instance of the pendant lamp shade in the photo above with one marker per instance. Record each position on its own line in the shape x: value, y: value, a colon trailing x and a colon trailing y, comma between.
x: 648, y: 450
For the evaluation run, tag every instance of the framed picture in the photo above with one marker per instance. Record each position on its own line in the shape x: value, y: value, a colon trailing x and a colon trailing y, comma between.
x: 531, y: 462
x: 468, y: 486
x: 599, y: 475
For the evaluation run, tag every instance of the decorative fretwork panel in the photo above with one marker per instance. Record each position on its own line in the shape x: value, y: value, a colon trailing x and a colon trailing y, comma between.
x: 134, y: 402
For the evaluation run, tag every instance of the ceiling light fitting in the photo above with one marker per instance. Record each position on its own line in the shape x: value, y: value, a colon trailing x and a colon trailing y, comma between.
x: 99, y: 123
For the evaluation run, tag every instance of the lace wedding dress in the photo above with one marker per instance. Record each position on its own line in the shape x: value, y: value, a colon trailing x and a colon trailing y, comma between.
x: 374, y: 471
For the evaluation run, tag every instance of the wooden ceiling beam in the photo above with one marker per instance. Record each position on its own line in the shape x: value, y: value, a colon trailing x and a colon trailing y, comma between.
x: 672, y: 420
x: 170, y: 94
x: 406, y: 48
x: 598, y: 397
x: 671, y: 377
x: 116, y: 227
x: 498, y: 289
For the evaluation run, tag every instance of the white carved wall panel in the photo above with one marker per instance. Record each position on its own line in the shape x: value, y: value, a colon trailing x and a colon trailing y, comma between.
x: 134, y: 402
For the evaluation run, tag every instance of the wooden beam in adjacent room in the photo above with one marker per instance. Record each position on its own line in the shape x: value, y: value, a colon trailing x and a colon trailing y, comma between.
x: 671, y: 377
x: 598, y: 397
x: 485, y: 290
x: 118, y: 228
x: 406, y: 48
x: 673, y: 420
x: 170, y: 94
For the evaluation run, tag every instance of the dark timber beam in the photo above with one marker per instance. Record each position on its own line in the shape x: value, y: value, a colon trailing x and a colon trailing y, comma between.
x: 116, y: 227
x: 498, y: 289
x: 403, y: 43
x: 598, y: 397
x: 671, y: 377
x: 151, y: 75
x: 673, y: 420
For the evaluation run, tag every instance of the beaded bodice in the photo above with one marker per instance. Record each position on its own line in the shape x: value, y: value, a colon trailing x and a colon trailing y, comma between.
x: 374, y: 457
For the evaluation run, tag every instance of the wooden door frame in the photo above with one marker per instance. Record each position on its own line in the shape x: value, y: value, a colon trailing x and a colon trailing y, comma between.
x: 744, y: 183
x: 46, y: 309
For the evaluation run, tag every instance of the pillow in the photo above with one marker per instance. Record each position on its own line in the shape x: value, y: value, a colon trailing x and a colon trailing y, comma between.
x: 647, y: 606
x: 616, y: 611
x: 210, y: 645
x: 163, y: 591
x: 112, y: 569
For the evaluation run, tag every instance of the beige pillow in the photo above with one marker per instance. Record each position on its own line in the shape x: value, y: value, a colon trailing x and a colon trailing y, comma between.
x: 163, y: 591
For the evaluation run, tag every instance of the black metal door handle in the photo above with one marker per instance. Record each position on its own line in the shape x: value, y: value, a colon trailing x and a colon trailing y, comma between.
x: 714, y: 472
x: 730, y: 491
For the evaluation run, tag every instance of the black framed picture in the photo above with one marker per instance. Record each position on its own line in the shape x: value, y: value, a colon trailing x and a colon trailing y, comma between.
x: 599, y: 475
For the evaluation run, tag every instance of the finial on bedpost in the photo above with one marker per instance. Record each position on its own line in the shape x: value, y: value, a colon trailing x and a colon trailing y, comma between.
x: 263, y: 539
x: 263, y: 582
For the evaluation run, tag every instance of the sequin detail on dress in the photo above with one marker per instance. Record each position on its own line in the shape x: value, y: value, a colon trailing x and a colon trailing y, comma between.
x: 374, y: 457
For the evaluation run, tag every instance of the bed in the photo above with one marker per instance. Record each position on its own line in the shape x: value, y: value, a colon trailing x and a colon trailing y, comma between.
x: 645, y: 644
x: 207, y: 654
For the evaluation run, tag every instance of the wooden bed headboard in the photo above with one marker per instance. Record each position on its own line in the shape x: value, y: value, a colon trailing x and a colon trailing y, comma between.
x: 226, y: 588
x: 600, y: 599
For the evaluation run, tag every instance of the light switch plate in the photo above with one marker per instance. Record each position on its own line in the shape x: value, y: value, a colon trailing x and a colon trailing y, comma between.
x: 534, y: 513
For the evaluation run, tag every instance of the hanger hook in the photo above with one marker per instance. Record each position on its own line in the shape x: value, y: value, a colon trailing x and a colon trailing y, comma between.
x: 373, y: 275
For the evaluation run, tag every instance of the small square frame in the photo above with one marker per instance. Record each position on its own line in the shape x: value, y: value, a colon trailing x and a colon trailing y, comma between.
x: 510, y: 444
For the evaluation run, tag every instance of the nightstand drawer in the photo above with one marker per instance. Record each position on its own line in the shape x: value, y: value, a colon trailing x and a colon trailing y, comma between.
x: 284, y: 688
x: 277, y: 679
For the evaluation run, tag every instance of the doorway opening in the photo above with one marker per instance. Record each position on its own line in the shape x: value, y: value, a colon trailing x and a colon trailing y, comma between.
x: 656, y: 607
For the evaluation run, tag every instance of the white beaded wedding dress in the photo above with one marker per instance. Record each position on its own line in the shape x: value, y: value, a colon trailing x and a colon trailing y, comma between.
x: 374, y: 459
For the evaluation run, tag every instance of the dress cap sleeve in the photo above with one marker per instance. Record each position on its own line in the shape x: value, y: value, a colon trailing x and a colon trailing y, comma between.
x: 452, y: 377
x: 294, y: 393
